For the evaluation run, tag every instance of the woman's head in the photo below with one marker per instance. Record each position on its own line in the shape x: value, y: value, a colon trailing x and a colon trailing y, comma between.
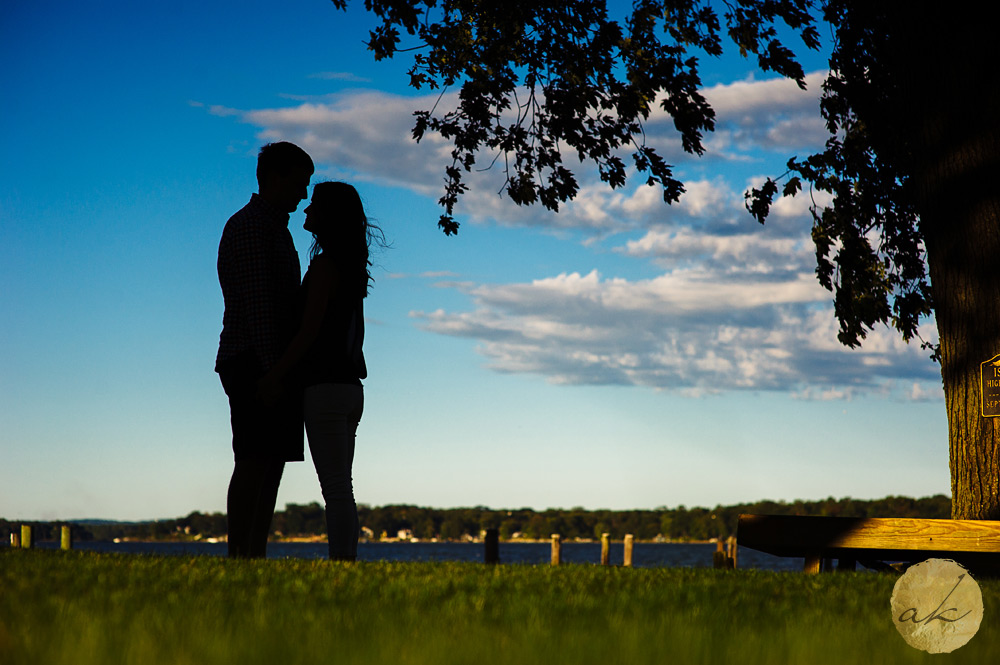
x: 336, y: 218
x: 335, y: 210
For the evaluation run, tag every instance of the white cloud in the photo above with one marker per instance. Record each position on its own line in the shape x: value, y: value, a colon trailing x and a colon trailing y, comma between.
x: 774, y: 114
x: 367, y: 135
x: 364, y: 134
x: 741, y: 101
x: 922, y: 392
x: 686, y: 330
x: 739, y: 253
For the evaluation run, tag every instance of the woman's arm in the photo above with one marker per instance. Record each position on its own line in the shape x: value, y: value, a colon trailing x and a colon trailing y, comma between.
x: 323, y: 279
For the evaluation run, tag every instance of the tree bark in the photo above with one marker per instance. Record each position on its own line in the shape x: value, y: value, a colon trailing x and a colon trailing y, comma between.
x: 951, y: 100
x: 962, y: 250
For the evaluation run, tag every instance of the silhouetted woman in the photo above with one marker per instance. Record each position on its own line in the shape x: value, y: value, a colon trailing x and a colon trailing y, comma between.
x: 326, y: 353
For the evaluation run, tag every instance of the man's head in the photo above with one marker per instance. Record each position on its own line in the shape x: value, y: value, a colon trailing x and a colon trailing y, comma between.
x: 283, y: 172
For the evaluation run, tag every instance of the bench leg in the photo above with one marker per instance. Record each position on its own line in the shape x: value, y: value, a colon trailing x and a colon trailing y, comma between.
x: 811, y: 566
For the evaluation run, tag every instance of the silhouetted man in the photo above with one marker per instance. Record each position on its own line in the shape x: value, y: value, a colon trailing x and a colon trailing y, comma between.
x: 259, y: 274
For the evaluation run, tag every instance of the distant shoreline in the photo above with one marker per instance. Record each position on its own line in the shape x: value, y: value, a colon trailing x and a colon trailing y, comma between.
x: 406, y: 523
x: 394, y: 541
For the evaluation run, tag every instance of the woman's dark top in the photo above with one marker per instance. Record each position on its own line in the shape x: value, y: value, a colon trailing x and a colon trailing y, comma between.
x: 336, y: 356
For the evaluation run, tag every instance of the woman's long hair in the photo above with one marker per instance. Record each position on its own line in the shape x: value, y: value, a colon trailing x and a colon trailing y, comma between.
x: 345, y: 232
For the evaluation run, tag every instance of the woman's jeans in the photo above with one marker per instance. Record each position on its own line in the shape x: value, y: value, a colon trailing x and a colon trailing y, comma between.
x: 332, y: 412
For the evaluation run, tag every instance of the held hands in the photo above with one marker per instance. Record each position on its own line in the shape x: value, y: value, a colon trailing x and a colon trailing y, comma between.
x: 269, y: 389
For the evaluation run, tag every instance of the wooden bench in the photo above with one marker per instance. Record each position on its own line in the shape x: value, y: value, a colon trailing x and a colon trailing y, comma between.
x: 972, y: 543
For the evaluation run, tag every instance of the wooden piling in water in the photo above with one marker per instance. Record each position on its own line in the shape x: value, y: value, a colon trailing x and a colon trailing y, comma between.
x: 724, y: 556
x: 718, y: 556
x: 66, y: 541
x: 629, y: 542
x: 605, y: 549
x: 492, y: 542
x: 26, y: 541
x: 556, y: 549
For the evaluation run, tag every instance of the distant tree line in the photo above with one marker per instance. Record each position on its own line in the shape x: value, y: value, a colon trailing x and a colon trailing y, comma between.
x: 675, y: 524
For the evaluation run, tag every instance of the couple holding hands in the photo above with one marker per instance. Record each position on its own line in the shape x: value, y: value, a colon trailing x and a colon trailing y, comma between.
x: 291, y: 353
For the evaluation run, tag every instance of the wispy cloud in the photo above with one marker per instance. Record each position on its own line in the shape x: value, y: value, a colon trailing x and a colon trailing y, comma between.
x: 429, y: 274
x: 224, y: 111
x: 340, y: 76
x: 689, y: 331
x: 215, y: 109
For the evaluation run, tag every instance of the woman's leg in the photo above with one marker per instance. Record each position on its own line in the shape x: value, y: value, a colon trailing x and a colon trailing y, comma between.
x: 332, y: 413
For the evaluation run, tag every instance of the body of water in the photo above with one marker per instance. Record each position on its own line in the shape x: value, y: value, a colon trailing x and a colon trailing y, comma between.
x: 644, y: 555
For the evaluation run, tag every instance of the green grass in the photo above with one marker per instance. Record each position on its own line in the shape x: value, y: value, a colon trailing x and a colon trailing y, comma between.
x: 85, y: 608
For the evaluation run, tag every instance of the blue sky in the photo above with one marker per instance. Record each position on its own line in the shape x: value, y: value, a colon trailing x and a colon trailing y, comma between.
x: 618, y: 354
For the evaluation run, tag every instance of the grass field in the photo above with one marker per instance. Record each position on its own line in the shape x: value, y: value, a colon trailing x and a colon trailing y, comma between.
x: 85, y: 608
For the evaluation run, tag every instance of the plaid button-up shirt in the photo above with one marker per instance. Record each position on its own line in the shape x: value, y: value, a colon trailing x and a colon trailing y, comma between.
x: 259, y: 274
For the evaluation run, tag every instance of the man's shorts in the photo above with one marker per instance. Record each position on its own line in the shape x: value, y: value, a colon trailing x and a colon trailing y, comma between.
x: 261, y: 432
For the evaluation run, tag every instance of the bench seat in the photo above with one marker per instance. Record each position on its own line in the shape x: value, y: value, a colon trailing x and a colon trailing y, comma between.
x: 973, y: 543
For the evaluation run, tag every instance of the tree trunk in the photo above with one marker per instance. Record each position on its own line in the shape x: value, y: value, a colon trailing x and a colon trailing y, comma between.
x: 951, y: 100
x: 962, y: 248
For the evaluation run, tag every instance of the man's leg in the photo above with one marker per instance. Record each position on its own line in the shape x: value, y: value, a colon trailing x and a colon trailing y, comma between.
x: 239, y: 513
x: 264, y: 510
x: 253, y: 491
x: 259, y: 445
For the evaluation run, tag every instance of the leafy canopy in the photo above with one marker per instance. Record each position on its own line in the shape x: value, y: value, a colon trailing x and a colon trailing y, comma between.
x: 868, y: 243
x: 540, y: 77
